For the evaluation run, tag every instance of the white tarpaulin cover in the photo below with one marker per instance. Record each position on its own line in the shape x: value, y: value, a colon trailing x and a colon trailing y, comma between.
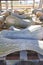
x: 26, y: 39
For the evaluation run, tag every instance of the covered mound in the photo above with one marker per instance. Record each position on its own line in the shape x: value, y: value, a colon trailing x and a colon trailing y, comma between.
x: 17, y: 22
x: 26, y: 39
x: 6, y: 13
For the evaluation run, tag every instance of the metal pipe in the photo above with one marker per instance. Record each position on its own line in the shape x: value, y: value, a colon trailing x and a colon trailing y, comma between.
x: 33, y: 4
x: 0, y: 7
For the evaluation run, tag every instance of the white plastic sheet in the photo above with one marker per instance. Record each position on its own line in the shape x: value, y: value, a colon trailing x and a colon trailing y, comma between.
x: 11, y: 41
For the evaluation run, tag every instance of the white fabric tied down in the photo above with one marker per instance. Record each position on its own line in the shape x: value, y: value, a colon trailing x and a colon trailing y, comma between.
x: 26, y: 39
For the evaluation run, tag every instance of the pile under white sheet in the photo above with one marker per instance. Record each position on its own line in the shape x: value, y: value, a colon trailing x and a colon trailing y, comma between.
x: 26, y: 39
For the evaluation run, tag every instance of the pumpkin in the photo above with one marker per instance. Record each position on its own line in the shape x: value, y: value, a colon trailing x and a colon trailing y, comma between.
x: 41, y: 18
x: 38, y: 14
